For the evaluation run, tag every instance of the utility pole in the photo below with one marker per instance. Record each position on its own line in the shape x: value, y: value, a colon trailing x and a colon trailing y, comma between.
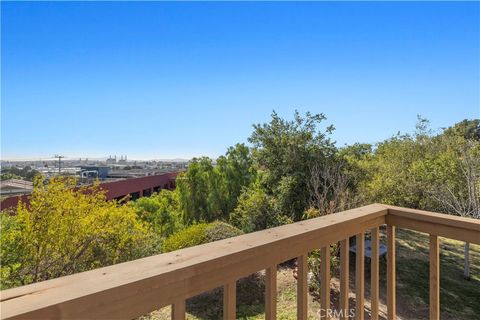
x: 59, y: 161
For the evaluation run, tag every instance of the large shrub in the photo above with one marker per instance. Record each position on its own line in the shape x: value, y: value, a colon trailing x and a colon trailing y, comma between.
x: 189, y: 237
x: 256, y: 211
x: 220, y: 230
x: 199, y: 234
x: 64, y: 231
x: 160, y: 211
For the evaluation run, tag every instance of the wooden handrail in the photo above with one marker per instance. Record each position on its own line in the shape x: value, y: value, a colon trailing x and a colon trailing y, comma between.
x: 135, y: 288
x: 444, y: 225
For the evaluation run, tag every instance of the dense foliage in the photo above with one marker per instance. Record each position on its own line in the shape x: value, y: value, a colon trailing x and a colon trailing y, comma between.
x: 63, y: 231
x: 257, y: 211
x: 285, y: 151
x: 160, y: 211
x: 199, y: 234
x: 292, y: 171
x: 26, y: 173
x: 433, y: 172
x: 207, y: 192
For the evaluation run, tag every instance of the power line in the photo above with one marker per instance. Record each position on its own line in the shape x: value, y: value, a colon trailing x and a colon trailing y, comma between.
x: 59, y: 161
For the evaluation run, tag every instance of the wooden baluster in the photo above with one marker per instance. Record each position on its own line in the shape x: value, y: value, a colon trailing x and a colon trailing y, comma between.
x: 271, y: 293
x: 374, y: 269
x: 230, y: 301
x: 359, y: 276
x: 302, y: 287
x: 344, y: 275
x: 434, y: 278
x: 391, y: 299
x: 325, y: 283
x: 178, y: 310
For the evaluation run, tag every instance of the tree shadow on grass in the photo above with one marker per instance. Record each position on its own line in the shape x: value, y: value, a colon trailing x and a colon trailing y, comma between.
x: 459, y: 298
x: 250, y: 300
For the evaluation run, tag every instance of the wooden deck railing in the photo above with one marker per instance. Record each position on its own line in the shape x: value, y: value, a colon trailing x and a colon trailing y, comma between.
x: 135, y: 288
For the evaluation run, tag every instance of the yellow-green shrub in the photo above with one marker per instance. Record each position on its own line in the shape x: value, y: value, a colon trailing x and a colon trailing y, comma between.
x: 199, y: 234
x: 64, y: 231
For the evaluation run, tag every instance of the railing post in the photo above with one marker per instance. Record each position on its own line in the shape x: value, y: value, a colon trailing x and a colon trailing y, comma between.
x: 374, y: 269
x: 391, y: 299
x: 434, y: 278
x: 302, y: 287
x: 359, y: 276
x: 344, y: 282
x: 230, y: 301
x: 271, y: 293
x: 178, y: 310
x: 325, y: 283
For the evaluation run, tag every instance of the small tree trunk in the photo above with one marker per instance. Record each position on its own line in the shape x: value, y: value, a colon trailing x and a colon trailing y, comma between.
x: 466, y: 271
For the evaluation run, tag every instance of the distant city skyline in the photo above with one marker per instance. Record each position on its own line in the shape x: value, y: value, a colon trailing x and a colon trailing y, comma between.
x: 85, y: 158
x: 175, y: 80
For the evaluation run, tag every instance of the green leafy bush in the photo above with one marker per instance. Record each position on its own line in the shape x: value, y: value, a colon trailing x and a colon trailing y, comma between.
x: 256, y: 211
x: 221, y: 230
x: 160, y: 211
x: 199, y: 234
x: 191, y: 236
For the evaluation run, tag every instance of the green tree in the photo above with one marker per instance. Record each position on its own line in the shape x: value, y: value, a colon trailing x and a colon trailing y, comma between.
x: 194, y: 191
x: 9, y: 176
x: 422, y: 170
x: 387, y: 175
x: 236, y: 172
x: 209, y: 192
x: 16, y: 173
x: 257, y: 211
x: 450, y: 174
x: 160, y: 211
x: 285, y: 152
x: 425, y: 171
x: 468, y: 129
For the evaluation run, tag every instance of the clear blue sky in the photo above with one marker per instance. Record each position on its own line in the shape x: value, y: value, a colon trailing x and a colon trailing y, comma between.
x: 166, y: 80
